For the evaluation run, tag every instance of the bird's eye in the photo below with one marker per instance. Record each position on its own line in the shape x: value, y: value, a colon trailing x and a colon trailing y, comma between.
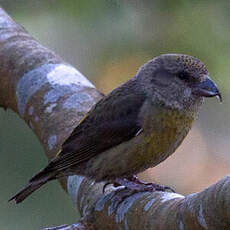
x: 183, y: 76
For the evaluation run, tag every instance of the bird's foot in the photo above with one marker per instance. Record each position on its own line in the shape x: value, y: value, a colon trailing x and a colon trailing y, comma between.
x: 134, y: 184
x: 131, y: 186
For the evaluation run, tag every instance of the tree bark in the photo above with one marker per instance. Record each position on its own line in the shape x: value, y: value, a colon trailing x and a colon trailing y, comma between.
x: 51, y: 96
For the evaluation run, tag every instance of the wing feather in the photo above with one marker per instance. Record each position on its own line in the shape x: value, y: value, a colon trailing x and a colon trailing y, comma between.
x: 109, y: 123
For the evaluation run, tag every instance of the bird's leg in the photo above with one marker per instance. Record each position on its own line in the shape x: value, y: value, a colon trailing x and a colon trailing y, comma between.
x: 133, y: 183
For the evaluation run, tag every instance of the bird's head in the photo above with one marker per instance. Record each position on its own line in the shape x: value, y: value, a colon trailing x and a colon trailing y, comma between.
x: 177, y: 80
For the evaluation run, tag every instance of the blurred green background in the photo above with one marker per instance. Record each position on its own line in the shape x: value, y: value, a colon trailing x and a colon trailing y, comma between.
x: 107, y: 40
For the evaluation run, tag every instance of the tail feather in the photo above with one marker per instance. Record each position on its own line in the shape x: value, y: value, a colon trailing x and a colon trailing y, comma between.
x: 25, y: 192
x: 34, y: 183
x: 44, y: 174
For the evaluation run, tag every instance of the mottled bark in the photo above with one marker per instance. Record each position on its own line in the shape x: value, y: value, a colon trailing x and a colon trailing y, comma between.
x: 52, y: 96
x: 49, y: 94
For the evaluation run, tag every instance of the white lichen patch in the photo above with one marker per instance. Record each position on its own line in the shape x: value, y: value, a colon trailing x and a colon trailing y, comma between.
x: 73, y: 185
x: 77, y: 100
x: 100, y: 204
x: 149, y: 204
x: 169, y: 196
x: 67, y: 75
x: 181, y: 225
x: 31, y: 110
x: 60, y: 78
x: 81, y: 201
x: 126, y: 226
x: 201, y: 218
x: 36, y: 119
x: 6, y: 24
x: 84, y: 211
x: 52, y: 141
x: 54, y: 94
x: 125, y: 206
x: 77, y: 226
x: 49, y: 108
x: 189, y: 199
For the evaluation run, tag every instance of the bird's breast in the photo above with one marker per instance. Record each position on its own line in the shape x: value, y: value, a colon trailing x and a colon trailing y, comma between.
x: 163, y: 131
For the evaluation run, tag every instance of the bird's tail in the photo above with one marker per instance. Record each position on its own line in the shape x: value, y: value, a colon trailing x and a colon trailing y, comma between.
x: 34, y: 183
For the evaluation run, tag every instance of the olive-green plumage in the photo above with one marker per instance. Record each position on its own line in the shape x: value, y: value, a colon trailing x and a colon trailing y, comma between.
x: 136, y: 126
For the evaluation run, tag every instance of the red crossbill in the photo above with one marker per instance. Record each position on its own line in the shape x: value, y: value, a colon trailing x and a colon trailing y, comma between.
x: 136, y: 126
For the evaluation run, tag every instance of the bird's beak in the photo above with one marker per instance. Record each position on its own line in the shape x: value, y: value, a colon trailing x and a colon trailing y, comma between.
x: 207, y: 88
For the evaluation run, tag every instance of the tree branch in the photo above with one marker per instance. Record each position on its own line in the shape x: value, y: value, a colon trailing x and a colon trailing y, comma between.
x: 52, y: 96
x: 49, y: 94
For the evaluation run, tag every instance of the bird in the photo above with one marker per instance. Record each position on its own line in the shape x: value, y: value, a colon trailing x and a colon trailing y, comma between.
x: 136, y: 126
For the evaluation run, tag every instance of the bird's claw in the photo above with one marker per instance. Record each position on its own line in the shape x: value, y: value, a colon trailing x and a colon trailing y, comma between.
x: 134, y: 184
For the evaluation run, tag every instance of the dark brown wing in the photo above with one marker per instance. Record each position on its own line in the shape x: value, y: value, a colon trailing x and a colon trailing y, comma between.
x: 112, y: 121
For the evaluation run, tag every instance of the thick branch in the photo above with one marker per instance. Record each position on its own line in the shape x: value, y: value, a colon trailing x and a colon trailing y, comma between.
x: 209, y: 209
x: 51, y: 96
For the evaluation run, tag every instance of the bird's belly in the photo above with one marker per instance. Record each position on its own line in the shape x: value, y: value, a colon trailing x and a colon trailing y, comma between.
x: 148, y: 149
